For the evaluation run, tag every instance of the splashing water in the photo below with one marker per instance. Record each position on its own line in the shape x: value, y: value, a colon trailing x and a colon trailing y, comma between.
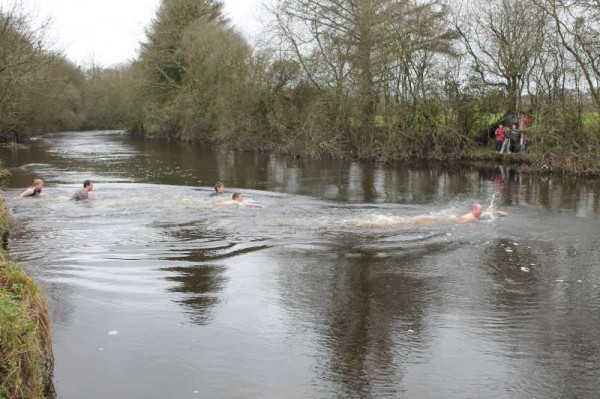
x: 492, y: 206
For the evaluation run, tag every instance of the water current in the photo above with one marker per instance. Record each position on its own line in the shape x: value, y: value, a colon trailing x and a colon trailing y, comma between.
x: 352, y: 281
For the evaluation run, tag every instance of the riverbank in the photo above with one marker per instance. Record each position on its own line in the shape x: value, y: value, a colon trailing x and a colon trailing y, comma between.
x: 566, y: 164
x: 25, y: 341
x: 585, y: 164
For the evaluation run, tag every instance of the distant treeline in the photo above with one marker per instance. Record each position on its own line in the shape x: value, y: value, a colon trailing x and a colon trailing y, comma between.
x: 364, y: 79
x: 41, y: 91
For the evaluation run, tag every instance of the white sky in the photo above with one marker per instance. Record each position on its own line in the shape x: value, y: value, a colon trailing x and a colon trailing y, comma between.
x: 109, y: 31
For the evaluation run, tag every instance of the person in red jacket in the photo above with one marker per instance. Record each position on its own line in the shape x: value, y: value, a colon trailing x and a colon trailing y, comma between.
x: 499, y: 137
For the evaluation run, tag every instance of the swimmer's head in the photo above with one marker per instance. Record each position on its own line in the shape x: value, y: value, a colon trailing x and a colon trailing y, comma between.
x: 219, y: 187
x: 88, y: 184
x: 237, y: 197
x: 38, y: 183
x: 477, y: 210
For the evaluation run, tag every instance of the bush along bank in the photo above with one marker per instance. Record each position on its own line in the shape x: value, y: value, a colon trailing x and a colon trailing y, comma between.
x: 25, y: 341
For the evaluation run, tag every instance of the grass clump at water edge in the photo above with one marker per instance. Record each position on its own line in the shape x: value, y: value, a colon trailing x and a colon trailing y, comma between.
x: 25, y: 340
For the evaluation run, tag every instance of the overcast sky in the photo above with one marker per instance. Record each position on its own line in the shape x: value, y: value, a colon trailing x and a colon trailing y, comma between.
x: 110, y: 30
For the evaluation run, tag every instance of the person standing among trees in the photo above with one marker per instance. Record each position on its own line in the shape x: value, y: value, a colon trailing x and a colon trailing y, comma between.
x: 523, y: 143
x: 499, y: 137
x: 506, y: 140
x: 514, y: 139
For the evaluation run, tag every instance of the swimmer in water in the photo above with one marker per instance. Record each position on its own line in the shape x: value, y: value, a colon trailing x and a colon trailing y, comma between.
x: 477, y: 213
x: 33, y: 191
x: 83, y: 194
x: 219, y: 190
x: 238, y: 198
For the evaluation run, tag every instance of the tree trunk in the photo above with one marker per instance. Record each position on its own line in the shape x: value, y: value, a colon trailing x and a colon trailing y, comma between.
x: 364, y: 64
x: 513, y: 95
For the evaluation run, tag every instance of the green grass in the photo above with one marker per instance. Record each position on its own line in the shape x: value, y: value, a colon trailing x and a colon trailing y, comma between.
x: 25, y: 344
x: 379, y: 121
x: 591, y: 120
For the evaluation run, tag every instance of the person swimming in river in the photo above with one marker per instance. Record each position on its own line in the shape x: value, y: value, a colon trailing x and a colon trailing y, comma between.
x: 83, y: 194
x: 238, y: 199
x: 219, y: 190
x: 477, y: 213
x: 35, y: 190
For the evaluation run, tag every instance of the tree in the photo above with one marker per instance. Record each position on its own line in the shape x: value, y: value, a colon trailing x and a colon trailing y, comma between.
x: 161, y: 56
x: 351, y: 45
x: 503, y: 39
x: 21, y: 54
x: 576, y: 24
x: 192, y: 71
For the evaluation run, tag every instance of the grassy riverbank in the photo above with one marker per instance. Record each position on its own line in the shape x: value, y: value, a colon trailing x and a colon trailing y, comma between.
x: 581, y: 163
x: 25, y: 339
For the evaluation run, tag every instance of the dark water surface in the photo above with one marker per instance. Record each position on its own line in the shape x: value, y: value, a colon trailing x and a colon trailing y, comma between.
x: 352, y: 282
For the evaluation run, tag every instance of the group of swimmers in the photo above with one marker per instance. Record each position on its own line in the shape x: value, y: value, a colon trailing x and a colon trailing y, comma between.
x: 475, y: 214
x: 83, y: 194
x: 237, y: 198
x: 38, y: 185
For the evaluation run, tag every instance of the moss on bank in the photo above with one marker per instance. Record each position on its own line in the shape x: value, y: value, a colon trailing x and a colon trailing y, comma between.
x: 25, y: 340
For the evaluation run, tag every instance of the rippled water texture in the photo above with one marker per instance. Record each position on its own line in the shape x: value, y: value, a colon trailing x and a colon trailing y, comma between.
x: 353, y: 281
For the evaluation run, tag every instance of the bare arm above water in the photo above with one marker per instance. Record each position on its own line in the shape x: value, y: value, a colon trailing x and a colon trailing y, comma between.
x: 27, y: 192
x: 496, y: 213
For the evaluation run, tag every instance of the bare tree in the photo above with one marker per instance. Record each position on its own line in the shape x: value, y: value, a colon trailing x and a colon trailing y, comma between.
x: 21, y: 49
x: 577, y: 24
x: 503, y: 39
x: 360, y: 41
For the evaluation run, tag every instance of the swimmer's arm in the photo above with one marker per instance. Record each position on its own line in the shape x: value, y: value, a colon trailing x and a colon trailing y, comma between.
x: 252, y: 204
x: 500, y: 213
x: 26, y: 193
x: 494, y: 213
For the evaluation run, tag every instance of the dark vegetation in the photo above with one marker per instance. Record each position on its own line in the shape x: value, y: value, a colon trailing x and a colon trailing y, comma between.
x: 377, y: 80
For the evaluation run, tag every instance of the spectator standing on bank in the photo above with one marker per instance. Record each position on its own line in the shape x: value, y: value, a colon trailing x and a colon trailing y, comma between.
x: 506, y: 142
x: 499, y: 137
x: 523, y: 143
x: 514, y: 139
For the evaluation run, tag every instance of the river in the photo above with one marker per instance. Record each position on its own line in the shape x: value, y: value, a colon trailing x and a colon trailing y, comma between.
x: 352, y: 281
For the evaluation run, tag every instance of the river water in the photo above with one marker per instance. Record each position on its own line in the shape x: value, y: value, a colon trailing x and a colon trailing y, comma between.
x: 353, y: 281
